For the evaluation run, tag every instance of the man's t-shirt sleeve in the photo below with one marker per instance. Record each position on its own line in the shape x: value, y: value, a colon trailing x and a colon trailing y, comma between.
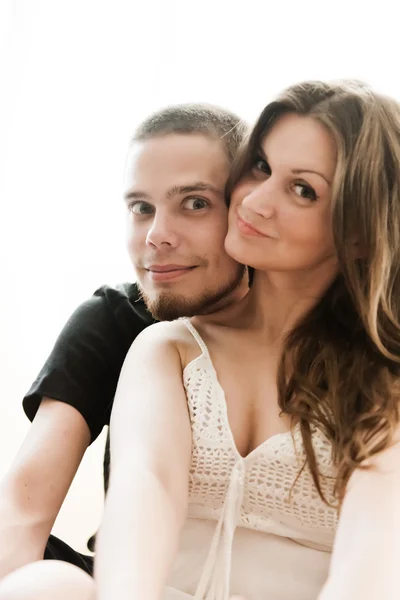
x: 84, y: 365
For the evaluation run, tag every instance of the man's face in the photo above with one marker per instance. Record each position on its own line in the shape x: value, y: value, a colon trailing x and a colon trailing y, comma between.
x: 177, y: 223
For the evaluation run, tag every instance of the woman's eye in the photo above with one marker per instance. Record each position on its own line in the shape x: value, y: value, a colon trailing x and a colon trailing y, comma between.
x: 141, y: 208
x: 195, y: 203
x: 261, y: 165
x: 305, y: 191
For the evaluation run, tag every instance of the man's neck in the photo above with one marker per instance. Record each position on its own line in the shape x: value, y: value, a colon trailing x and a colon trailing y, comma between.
x: 232, y: 298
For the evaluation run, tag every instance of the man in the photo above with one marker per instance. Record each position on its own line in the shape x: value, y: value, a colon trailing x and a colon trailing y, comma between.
x: 177, y: 168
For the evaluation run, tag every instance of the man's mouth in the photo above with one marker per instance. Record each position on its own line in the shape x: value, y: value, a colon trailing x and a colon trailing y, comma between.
x: 168, y: 272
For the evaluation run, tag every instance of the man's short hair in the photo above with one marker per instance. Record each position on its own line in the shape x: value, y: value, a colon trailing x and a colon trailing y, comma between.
x: 195, y: 118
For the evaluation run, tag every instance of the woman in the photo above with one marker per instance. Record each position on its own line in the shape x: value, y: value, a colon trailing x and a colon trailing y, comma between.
x: 284, y: 435
x: 289, y: 394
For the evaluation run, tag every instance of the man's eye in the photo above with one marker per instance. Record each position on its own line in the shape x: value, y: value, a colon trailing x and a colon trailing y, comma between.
x: 195, y: 203
x: 261, y: 165
x: 140, y: 208
x: 305, y: 191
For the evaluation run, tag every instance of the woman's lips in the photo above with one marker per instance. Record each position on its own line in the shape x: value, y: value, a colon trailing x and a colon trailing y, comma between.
x: 246, y: 229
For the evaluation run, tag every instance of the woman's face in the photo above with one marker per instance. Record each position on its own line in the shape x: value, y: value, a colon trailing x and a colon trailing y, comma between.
x: 280, y: 212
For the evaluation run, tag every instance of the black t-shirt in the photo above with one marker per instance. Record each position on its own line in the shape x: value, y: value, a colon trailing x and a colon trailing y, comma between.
x: 84, y: 365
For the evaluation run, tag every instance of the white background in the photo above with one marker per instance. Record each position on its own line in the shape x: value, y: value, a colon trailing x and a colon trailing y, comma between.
x: 76, y: 77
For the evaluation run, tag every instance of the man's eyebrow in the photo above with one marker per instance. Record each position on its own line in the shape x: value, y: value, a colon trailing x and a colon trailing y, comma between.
x: 138, y: 195
x: 198, y: 186
x: 175, y: 190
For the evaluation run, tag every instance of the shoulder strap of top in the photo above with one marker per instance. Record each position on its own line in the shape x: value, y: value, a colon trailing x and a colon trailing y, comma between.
x: 196, y: 335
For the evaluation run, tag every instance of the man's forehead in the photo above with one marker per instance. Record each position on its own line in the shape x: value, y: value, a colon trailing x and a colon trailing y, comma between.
x: 173, y: 163
x: 180, y: 147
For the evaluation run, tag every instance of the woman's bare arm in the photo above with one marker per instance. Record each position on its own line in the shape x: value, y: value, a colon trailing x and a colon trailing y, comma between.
x: 150, y: 460
x: 366, y: 557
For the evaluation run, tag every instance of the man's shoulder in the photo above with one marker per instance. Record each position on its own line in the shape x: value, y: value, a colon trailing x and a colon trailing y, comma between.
x: 123, y: 299
x: 84, y: 365
x: 125, y: 293
x: 117, y: 307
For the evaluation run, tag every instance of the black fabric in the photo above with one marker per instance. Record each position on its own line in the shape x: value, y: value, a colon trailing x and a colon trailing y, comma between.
x: 84, y: 365
x: 106, y: 477
x: 58, y: 550
x: 83, y: 370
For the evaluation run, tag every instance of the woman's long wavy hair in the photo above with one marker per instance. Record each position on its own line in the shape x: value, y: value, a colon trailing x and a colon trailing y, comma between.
x: 345, y: 354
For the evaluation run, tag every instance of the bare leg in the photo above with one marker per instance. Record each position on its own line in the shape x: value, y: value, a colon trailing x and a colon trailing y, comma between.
x: 48, y: 580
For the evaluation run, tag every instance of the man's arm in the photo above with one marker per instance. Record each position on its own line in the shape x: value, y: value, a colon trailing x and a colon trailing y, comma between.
x: 81, y: 376
x: 34, y: 489
x: 84, y: 365
x: 150, y: 458
x: 366, y: 557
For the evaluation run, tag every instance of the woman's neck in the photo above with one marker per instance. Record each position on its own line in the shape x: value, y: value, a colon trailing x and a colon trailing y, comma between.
x: 277, y: 301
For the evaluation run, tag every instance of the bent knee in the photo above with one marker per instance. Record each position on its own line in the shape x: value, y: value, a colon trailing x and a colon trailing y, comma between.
x: 47, y: 580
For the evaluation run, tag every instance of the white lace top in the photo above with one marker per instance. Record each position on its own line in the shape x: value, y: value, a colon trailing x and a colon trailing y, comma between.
x: 252, y: 528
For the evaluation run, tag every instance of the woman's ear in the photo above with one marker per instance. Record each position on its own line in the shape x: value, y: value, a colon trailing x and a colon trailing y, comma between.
x: 357, y: 247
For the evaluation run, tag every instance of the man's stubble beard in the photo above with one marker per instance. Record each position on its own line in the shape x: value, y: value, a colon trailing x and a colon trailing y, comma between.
x: 167, y: 306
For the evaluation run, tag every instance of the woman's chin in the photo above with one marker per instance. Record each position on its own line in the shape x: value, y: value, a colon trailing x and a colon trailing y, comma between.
x: 234, y: 246
x: 237, y: 249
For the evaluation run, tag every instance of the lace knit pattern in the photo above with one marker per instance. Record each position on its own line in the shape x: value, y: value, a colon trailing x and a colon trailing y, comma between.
x: 273, y: 500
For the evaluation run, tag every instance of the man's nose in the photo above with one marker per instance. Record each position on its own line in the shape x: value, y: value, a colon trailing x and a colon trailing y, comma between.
x: 163, y: 232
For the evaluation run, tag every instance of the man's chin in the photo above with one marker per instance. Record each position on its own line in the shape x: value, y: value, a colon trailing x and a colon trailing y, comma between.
x: 169, y: 306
